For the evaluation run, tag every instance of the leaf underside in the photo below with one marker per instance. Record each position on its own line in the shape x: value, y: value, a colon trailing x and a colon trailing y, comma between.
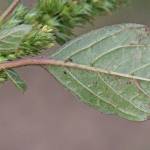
x: 10, y: 39
x: 15, y: 78
x: 123, y: 49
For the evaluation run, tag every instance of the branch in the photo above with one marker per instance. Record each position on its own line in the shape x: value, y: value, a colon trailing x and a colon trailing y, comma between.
x: 61, y: 63
x: 9, y: 10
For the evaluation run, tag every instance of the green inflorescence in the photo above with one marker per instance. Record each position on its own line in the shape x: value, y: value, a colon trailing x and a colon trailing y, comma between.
x: 52, y: 21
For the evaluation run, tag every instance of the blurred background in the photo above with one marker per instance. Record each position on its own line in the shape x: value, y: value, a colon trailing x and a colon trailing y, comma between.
x: 48, y: 117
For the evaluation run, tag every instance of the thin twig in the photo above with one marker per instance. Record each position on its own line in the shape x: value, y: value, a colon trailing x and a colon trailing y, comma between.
x: 9, y: 10
x: 61, y: 63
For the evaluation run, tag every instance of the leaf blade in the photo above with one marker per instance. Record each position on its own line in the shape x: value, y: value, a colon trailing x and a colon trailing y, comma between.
x: 15, y: 78
x: 11, y: 38
x: 120, y: 49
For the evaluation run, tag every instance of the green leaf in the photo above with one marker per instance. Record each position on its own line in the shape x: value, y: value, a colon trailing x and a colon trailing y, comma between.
x: 15, y: 78
x: 11, y: 38
x: 114, y: 70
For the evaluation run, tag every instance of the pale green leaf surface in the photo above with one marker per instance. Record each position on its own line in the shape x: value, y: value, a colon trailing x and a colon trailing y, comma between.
x: 11, y: 38
x: 120, y: 49
x: 15, y: 78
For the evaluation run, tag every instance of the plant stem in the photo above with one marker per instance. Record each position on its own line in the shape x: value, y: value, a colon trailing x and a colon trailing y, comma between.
x: 61, y: 63
x: 9, y: 10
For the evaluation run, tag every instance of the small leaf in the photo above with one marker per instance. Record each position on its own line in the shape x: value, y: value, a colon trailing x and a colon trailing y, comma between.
x: 11, y: 38
x: 15, y: 78
x: 114, y: 70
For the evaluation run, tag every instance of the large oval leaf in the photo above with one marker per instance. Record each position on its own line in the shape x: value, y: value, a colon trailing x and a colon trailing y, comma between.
x: 118, y: 78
